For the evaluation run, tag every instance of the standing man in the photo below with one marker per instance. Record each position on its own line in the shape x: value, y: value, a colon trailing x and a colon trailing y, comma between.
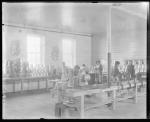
x: 76, y: 73
x: 83, y: 72
x: 116, y: 72
x: 99, y: 70
x: 76, y: 70
x: 125, y: 70
x: 64, y: 72
x: 131, y: 71
x: 136, y: 68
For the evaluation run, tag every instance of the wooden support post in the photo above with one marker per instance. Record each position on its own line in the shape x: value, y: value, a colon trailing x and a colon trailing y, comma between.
x: 136, y: 91
x: 109, y: 68
x: 109, y: 45
x: 82, y: 106
x: 114, y: 99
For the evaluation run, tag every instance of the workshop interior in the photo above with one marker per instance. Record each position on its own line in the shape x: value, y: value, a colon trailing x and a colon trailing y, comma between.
x: 74, y: 60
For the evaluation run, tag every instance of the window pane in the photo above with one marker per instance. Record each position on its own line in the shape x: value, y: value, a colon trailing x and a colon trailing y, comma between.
x: 33, y: 50
x: 34, y: 58
x: 33, y: 44
x: 68, y: 52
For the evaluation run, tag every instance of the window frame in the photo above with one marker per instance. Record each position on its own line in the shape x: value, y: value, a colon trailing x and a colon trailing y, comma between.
x: 66, y: 53
x: 40, y: 52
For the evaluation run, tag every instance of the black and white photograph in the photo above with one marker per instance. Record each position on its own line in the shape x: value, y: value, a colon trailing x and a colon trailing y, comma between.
x: 74, y: 60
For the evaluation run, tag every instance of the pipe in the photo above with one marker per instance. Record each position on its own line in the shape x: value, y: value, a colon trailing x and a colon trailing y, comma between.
x: 109, y: 46
x: 39, y: 29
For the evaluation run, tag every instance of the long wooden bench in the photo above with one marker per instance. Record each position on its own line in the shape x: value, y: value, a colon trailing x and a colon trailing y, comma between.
x: 113, y: 99
x: 13, y: 85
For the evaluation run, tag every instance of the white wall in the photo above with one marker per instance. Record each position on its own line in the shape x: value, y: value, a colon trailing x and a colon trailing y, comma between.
x: 11, y: 35
x: 52, y: 39
x: 129, y: 44
x: 83, y: 47
x: 99, y: 49
x: 83, y: 50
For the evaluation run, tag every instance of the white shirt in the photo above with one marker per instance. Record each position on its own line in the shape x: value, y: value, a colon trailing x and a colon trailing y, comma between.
x: 124, y: 68
x: 120, y: 68
x: 141, y: 68
x: 92, y: 70
x: 87, y: 77
x: 83, y: 70
x: 145, y: 68
x: 64, y: 73
x: 136, y: 68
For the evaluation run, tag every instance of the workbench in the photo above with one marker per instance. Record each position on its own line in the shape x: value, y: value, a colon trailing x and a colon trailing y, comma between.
x: 102, y: 90
x: 13, y: 85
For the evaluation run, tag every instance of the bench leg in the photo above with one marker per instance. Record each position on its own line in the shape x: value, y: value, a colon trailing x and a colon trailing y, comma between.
x: 82, y: 106
x: 114, y: 100
x: 136, y: 91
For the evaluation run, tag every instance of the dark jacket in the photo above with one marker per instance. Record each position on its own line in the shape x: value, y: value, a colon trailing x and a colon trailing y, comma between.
x: 100, y: 69
x: 131, y: 70
x: 116, y: 71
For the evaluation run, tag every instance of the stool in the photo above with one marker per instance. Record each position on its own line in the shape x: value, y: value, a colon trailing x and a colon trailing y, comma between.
x: 72, y: 111
x: 59, y: 110
x: 61, y: 107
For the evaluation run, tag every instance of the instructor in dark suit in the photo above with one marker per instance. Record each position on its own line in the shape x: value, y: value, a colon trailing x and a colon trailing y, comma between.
x: 130, y: 71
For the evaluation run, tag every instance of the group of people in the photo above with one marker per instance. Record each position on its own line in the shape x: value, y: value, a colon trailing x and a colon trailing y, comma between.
x: 83, y: 73
x: 128, y: 71
x: 94, y: 74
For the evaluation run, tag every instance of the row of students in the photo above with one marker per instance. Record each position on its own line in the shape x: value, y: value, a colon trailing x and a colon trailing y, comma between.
x: 138, y: 66
x: 128, y: 71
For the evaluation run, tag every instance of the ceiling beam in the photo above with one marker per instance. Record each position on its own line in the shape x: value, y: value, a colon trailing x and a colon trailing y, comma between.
x: 130, y: 12
x: 119, y: 6
x: 45, y: 29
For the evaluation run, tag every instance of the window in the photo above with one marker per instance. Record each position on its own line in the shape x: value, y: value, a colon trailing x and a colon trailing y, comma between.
x: 34, y: 50
x: 69, y: 52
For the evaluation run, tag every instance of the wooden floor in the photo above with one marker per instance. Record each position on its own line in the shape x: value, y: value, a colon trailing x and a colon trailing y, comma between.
x: 40, y: 105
